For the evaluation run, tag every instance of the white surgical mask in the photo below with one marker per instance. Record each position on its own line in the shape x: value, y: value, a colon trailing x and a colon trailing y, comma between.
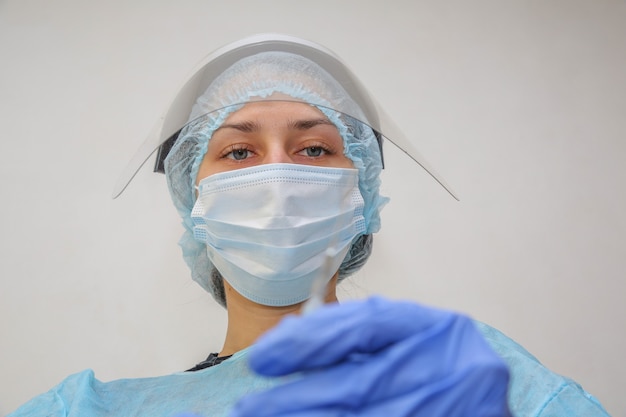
x: 271, y: 229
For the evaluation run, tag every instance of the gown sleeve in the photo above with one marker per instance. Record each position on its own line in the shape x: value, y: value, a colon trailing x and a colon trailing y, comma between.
x: 534, y: 390
x: 54, y: 403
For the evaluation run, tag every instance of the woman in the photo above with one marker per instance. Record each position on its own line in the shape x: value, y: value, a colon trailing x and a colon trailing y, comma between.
x: 275, y: 173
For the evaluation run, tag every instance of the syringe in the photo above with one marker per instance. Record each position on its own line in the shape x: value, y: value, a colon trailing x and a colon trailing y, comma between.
x: 318, y: 287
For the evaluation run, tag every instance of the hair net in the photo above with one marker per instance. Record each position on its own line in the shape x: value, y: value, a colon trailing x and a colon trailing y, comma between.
x: 258, y: 77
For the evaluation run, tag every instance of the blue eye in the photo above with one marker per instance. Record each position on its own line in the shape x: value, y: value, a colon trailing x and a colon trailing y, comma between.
x: 238, y: 154
x: 314, y: 151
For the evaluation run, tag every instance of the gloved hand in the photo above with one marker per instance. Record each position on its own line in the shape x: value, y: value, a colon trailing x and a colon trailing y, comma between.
x: 378, y: 358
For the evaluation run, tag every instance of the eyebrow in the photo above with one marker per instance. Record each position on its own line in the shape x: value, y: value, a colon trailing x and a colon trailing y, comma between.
x: 250, y: 126
x: 246, y: 127
x: 308, y: 123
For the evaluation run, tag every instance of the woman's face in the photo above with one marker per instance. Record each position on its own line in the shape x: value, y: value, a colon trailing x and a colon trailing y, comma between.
x: 267, y: 132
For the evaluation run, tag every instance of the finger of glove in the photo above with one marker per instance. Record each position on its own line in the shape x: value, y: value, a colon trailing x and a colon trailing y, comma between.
x: 453, y: 362
x: 332, y: 333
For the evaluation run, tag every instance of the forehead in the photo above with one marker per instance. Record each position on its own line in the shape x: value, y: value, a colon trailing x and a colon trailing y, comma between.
x: 274, y: 111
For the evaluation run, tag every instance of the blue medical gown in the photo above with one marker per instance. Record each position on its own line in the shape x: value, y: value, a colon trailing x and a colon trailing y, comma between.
x: 534, y: 390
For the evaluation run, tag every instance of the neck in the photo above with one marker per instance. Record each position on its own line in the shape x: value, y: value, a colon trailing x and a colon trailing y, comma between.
x: 248, y: 320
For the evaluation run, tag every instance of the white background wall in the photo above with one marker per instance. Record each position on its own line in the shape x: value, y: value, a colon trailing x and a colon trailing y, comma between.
x: 520, y: 104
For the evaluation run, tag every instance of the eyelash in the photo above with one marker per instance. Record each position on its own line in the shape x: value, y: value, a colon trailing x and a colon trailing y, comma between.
x: 229, y: 151
x: 234, y: 148
x: 325, y: 149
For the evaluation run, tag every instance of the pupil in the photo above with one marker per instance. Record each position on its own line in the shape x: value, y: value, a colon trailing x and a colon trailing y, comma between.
x: 240, y: 154
x: 314, y: 151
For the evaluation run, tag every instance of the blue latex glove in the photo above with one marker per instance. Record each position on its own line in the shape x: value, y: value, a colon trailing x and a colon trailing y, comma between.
x: 378, y: 358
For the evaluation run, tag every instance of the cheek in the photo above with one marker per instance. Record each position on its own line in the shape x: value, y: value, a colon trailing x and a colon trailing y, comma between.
x: 209, y: 164
x: 345, y: 163
x: 206, y: 169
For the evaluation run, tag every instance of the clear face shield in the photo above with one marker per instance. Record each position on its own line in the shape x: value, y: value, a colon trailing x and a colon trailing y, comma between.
x: 261, y: 68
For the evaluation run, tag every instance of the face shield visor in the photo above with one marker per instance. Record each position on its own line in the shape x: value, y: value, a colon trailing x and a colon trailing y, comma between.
x: 284, y: 71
